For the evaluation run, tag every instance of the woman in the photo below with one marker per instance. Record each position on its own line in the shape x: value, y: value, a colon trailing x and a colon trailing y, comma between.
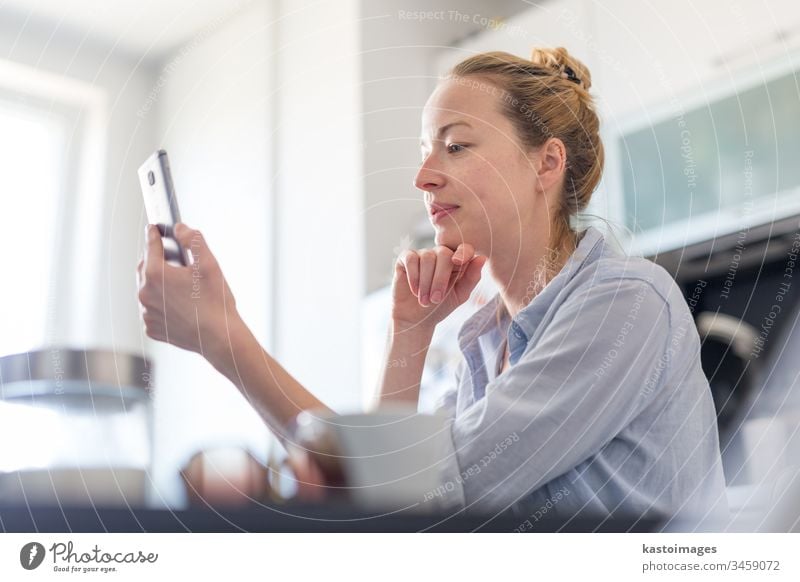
x: 586, y: 364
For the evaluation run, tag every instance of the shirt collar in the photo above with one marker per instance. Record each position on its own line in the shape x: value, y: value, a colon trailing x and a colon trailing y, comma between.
x: 590, y: 247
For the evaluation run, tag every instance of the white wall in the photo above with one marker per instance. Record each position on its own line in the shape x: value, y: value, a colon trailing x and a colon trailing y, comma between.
x: 319, y: 263
x: 669, y: 49
x: 397, y: 82
x: 213, y: 112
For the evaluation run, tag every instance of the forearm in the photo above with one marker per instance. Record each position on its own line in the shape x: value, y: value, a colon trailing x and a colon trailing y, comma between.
x: 268, y: 387
x: 405, y: 360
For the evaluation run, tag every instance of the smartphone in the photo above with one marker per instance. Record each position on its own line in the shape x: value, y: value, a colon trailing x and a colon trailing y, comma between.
x: 161, y: 205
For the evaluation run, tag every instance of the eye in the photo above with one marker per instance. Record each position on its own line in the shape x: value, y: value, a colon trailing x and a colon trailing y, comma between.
x: 455, y: 148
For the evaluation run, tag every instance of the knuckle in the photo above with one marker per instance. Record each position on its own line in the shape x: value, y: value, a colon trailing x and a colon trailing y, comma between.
x: 152, y: 329
x: 408, y: 256
x: 427, y: 256
x: 443, y: 251
x: 195, y: 236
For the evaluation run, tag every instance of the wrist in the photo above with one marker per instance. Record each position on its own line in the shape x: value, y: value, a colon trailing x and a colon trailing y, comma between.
x: 228, y: 338
x: 410, y: 335
x: 411, y: 329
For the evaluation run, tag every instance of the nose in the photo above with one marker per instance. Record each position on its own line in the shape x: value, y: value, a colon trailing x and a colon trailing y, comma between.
x: 428, y: 178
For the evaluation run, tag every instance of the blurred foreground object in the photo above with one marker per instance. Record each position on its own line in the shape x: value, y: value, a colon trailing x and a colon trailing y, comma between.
x: 76, y: 426
x: 388, y: 459
x: 226, y: 476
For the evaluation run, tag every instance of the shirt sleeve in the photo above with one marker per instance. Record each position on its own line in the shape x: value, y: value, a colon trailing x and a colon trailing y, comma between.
x: 594, y: 369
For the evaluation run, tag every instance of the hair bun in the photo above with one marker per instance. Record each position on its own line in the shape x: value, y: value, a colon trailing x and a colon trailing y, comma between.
x: 562, y: 64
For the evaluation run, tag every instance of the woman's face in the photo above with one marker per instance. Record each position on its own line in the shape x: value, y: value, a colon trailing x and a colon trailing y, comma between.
x: 480, y: 184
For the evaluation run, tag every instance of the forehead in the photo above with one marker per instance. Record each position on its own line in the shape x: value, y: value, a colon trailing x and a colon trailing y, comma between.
x: 471, y: 99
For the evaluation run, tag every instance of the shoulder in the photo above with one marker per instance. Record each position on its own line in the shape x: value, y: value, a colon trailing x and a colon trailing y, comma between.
x: 631, y: 281
x: 600, y: 261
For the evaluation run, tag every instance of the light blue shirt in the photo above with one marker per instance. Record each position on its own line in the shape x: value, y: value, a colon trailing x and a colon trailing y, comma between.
x: 604, y: 410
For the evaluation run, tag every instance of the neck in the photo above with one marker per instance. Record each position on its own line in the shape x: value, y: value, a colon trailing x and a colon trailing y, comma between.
x: 523, y: 267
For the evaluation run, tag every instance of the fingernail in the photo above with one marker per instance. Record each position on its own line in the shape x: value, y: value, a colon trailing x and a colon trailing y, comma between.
x: 436, y: 296
x: 425, y: 299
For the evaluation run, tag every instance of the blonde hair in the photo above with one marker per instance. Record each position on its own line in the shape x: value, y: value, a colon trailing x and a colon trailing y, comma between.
x: 548, y: 96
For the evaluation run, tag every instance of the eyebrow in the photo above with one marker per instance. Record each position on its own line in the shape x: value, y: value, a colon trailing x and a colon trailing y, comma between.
x: 445, y: 128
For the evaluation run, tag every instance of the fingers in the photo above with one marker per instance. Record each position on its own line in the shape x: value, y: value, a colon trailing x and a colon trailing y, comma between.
x: 149, y: 273
x: 427, y: 268
x: 153, y: 328
x: 467, y: 282
x: 432, y: 272
x: 141, y: 281
x: 461, y: 259
x: 473, y: 273
x: 188, y: 236
x: 194, y: 241
x: 309, y: 478
x: 441, y: 274
x: 410, y: 263
x: 155, y: 248
x: 154, y: 265
x: 463, y: 254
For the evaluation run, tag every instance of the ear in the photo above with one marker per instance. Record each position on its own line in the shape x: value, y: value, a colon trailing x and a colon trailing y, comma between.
x: 550, y: 161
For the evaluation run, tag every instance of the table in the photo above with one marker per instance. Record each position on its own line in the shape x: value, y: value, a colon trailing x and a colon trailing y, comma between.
x: 287, y: 518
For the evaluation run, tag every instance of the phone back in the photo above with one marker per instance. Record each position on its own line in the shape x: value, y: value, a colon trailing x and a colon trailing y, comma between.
x: 161, y: 204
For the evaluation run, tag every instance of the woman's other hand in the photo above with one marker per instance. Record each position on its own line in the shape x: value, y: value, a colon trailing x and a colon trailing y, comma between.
x: 429, y: 284
x: 190, y: 307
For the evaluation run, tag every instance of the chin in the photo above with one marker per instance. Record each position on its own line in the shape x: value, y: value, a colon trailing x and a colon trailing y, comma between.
x: 451, y: 237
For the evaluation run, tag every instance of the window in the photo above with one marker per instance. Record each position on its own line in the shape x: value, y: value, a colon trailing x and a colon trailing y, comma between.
x: 727, y: 163
x: 49, y: 167
x: 32, y: 171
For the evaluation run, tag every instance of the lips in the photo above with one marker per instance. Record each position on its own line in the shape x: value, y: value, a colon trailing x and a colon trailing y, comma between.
x: 439, y: 211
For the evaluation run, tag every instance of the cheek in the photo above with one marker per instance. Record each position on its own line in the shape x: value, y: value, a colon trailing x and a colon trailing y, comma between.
x: 482, y: 181
x: 497, y: 176
x: 496, y: 198
x: 493, y: 200
x: 510, y: 189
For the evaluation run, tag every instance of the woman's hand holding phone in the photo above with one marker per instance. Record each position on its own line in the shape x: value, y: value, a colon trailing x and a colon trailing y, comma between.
x: 429, y: 284
x: 190, y: 307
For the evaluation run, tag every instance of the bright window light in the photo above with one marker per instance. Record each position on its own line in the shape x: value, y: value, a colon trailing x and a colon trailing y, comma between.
x: 32, y: 146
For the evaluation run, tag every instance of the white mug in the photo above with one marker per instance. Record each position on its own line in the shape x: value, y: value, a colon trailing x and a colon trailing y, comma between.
x: 387, y: 459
